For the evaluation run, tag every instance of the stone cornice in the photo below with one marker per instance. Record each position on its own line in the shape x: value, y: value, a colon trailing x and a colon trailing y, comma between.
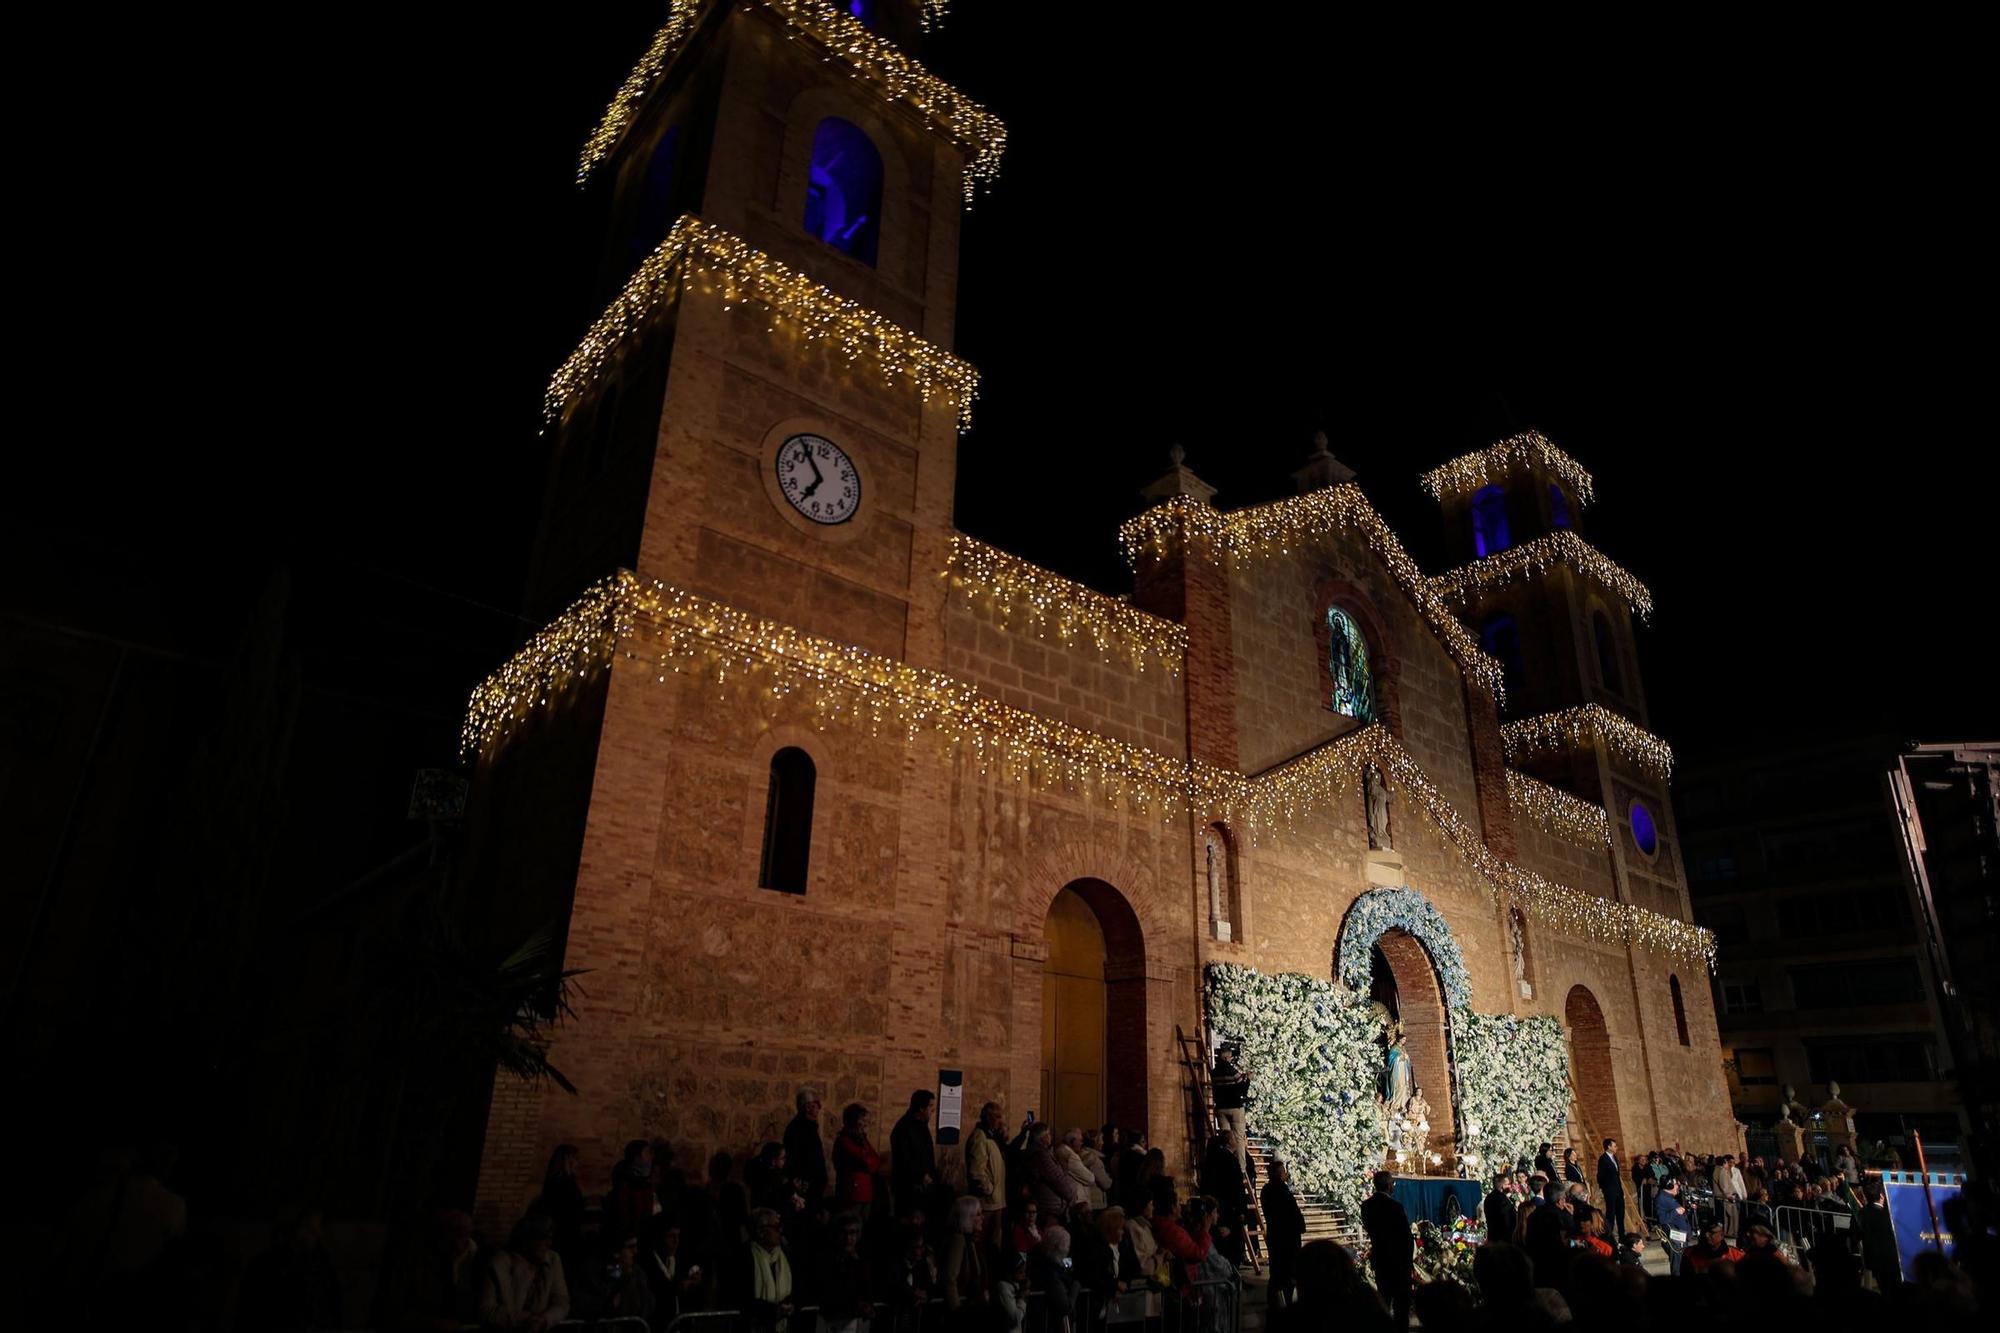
x: 724, y: 263
x: 1561, y: 547
x: 1469, y: 472
x: 1043, y: 601
x: 1588, y: 724
x: 837, y: 36
x: 1556, y: 812
x: 1277, y: 529
x: 667, y: 630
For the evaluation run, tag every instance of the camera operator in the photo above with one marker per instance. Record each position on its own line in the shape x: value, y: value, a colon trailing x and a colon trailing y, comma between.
x: 1232, y: 1089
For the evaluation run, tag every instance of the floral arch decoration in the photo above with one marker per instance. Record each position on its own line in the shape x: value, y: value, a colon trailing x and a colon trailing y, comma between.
x: 1404, y: 909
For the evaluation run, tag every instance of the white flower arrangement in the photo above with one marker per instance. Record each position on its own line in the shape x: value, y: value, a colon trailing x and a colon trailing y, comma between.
x: 1407, y: 910
x: 1513, y: 1084
x: 1311, y: 1048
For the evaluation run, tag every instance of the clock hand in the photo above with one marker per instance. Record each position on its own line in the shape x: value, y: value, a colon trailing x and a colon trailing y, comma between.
x: 817, y: 476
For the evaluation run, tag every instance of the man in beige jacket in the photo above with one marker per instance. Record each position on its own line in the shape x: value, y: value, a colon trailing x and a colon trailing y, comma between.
x: 986, y: 1161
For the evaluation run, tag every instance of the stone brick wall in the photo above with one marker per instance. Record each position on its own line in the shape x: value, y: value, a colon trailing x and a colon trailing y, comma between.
x: 1070, y: 682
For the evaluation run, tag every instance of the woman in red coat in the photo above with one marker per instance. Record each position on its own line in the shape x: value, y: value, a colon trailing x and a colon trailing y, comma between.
x: 855, y: 1163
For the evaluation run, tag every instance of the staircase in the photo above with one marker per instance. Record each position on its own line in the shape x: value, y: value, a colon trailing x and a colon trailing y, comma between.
x: 1324, y: 1221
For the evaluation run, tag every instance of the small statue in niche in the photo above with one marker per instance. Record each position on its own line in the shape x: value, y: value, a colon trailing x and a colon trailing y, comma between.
x: 1417, y: 1128
x: 1519, y: 945
x: 1218, y: 921
x: 1378, y: 811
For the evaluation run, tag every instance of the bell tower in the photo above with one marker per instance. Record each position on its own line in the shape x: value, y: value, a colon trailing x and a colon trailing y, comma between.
x: 1558, y: 614
x: 767, y: 412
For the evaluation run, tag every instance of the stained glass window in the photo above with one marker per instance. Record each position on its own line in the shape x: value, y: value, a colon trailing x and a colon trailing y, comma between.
x: 1353, y: 686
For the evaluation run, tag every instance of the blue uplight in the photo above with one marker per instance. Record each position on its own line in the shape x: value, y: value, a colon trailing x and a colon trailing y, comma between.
x: 1558, y: 505
x: 844, y: 192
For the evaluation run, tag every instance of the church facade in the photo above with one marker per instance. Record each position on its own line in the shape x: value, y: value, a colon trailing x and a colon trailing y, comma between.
x: 816, y: 789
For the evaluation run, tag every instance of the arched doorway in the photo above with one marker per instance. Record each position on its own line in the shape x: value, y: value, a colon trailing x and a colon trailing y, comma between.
x: 1590, y: 1073
x: 1403, y: 978
x: 1093, y: 1010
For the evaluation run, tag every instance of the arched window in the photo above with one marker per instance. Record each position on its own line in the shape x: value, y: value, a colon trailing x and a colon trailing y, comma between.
x: 1607, y: 654
x: 1680, y: 1010
x: 1347, y: 662
x: 844, y: 193
x: 788, y: 817
x: 655, y: 216
x: 1501, y: 638
x: 1489, y: 521
x: 1558, y: 506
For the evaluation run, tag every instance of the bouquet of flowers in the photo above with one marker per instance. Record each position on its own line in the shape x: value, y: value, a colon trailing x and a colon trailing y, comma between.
x: 1445, y: 1253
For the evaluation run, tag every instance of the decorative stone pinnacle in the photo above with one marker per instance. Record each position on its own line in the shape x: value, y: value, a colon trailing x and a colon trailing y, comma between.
x: 1322, y: 469
x: 1178, y: 480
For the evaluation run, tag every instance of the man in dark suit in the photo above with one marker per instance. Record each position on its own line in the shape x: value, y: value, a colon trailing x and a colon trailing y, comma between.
x: 1611, y: 1184
x: 1878, y: 1242
x: 1500, y: 1208
x: 1284, y: 1233
x: 1391, y: 1248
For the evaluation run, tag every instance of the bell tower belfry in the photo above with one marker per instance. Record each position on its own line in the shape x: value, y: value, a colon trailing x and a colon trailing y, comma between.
x: 767, y: 411
x: 1558, y: 614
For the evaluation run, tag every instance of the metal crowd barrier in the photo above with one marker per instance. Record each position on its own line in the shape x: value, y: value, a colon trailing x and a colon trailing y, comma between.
x: 1805, y: 1227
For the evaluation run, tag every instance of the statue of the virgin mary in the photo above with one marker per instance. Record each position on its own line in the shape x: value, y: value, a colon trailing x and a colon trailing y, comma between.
x: 1396, y: 1080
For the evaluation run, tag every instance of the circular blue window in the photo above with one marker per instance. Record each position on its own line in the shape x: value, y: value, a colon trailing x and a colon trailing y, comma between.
x: 1643, y: 832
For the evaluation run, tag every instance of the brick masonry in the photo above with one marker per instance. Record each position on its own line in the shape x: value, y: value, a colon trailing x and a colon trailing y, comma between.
x: 919, y: 942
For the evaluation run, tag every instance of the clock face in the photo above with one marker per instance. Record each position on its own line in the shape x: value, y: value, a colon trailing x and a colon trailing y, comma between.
x: 818, y: 479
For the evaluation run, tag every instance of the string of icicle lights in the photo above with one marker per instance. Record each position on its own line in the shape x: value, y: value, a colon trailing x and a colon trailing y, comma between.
x: 666, y: 631
x: 719, y: 262
x: 1016, y: 592
x: 1556, y: 812
x: 1469, y: 472
x: 1576, y: 727
x: 893, y: 75
x: 1561, y: 547
x: 1287, y: 525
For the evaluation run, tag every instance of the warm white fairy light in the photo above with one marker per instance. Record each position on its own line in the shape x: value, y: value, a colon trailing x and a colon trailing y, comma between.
x: 1469, y: 472
x: 1561, y: 547
x: 668, y: 630
x: 1556, y: 812
x: 1016, y: 591
x: 1284, y: 526
x: 894, y: 76
x: 1576, y: 727
x: 719, y: 262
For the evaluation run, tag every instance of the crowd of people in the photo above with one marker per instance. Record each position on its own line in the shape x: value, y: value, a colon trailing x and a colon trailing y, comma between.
x: 1072, y: 1231
x: 1050, y: 1230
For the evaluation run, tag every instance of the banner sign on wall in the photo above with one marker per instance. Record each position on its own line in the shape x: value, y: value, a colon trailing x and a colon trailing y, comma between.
x: 951, y: 1105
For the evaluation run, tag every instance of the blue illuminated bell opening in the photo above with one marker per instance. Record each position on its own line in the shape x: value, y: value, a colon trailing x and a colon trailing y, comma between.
x: 1489, y: 521
x: 655, y: 215
x: 1558, y: 506
x: 864, y: 10
x: 844, y: 192
x: 1643, y: 831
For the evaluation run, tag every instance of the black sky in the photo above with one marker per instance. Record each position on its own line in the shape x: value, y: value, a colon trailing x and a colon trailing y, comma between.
x: 1739, y: 276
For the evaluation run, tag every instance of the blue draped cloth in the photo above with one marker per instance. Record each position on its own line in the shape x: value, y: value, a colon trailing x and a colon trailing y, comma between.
x: 1423, y: 1197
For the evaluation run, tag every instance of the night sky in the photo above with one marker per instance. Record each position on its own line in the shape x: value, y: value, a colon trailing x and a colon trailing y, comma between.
x: 1742, y: 289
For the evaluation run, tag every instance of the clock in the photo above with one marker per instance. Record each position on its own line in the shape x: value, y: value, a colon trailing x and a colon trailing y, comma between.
x: 818, y: 479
